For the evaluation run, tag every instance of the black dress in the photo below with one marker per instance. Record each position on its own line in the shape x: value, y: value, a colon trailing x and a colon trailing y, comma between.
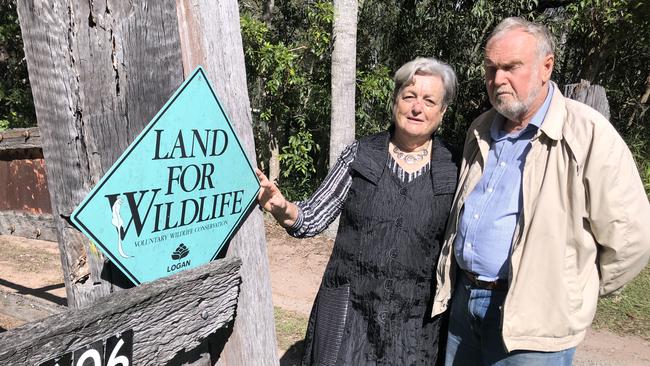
x: 374, y: 303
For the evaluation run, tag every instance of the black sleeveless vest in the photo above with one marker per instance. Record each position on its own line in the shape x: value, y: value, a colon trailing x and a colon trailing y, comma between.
x: 375, y: 299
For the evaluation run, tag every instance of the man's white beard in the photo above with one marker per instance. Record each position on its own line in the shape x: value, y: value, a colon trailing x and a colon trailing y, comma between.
x: 515, y: 109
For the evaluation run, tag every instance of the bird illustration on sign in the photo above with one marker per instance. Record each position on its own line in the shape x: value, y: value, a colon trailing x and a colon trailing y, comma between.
x: 119, y: 225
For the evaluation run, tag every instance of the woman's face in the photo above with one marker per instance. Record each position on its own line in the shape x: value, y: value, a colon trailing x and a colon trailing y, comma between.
x: 419, y: 108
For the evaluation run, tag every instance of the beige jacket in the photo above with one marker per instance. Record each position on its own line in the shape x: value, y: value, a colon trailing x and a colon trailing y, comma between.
x: 584, y: 229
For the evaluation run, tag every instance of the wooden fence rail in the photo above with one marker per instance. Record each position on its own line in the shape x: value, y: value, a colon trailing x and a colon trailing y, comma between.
x: 170, y: 319
x: 20, y: 138
x: 24, y: 200
x: 27, y: 308
x: 27, y: 225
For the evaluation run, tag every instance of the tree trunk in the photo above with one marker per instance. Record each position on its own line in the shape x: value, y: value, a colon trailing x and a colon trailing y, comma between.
x: 273, y: 130
x: 267, y: 12
x: 274, y: 160
x: 643, y: 107
x: 594, y: 96
x: 344, y: 68
x: 210, y: 37
x: 99, y: 71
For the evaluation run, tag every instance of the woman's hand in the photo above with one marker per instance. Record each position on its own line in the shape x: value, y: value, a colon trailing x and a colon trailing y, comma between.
x: 273, y: 201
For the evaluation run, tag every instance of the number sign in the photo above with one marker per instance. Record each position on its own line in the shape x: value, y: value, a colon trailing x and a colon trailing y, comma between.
x: 115, y: 351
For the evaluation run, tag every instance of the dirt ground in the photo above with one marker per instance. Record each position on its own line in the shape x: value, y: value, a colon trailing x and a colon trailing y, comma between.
x: 32, y: 267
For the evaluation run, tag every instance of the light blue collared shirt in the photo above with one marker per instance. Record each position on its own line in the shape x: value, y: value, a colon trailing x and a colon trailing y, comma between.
x: 491, y: 211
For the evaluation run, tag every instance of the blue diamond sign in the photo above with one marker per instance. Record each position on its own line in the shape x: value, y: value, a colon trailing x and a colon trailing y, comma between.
x: 178, y: 192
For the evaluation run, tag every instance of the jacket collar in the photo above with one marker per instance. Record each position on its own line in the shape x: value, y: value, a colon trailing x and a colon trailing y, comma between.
x: 554, y: 121
x: 371, y: 156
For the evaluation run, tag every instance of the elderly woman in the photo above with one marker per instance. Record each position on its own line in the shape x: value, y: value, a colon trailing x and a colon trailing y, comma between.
x: 393, y: 191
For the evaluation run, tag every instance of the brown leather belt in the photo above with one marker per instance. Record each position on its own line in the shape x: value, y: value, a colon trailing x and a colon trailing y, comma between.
x: 498, y: 285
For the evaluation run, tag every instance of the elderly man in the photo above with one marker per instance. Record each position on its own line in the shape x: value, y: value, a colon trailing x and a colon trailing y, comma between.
x: 549, y: 212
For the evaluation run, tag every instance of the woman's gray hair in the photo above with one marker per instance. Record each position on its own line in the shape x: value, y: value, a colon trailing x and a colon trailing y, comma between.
x: 426, y: 66
x: 545, y: 43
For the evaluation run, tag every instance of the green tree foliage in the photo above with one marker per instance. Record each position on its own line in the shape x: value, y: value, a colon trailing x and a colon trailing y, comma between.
x: 16, y: 105
x: 288, y: 70
x: 374, y: 100
x: 452, y: 31
x: 603, y: 41
x: 607, y: 42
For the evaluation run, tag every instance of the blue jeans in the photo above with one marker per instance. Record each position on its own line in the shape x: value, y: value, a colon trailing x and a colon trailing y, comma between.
x: 475, y: 332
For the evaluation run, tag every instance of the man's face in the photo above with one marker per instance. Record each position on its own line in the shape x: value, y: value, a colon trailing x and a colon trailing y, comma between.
x: 515, y: 75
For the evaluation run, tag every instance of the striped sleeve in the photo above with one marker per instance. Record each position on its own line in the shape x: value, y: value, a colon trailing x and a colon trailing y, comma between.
x: 315, y: 214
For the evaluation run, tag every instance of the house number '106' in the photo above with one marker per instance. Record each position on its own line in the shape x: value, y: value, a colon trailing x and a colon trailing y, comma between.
x: 115, y: 351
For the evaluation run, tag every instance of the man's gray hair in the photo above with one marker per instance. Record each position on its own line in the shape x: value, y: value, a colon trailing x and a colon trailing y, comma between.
x: 545, y: 43
x: 426, y: 66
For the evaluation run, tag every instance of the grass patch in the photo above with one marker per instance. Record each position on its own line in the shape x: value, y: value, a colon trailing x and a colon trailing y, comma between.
x: 627, y: 313
x: 290, y: 327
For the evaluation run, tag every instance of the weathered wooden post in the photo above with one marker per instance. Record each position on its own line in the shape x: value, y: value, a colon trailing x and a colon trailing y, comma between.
x: 594, y: 96
x: 210, y: 36
x: 99, y: 71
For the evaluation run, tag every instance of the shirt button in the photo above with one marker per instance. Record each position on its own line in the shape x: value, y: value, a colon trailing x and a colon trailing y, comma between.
x: 490, y: 190
x: 393, y: 253
x: 388, y: 285
x: 403, y: 191
x: 469, y: 244
x: 476, y: 216
x: 398, y: 222
x: 382, y: 316
x: 503, y: 163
